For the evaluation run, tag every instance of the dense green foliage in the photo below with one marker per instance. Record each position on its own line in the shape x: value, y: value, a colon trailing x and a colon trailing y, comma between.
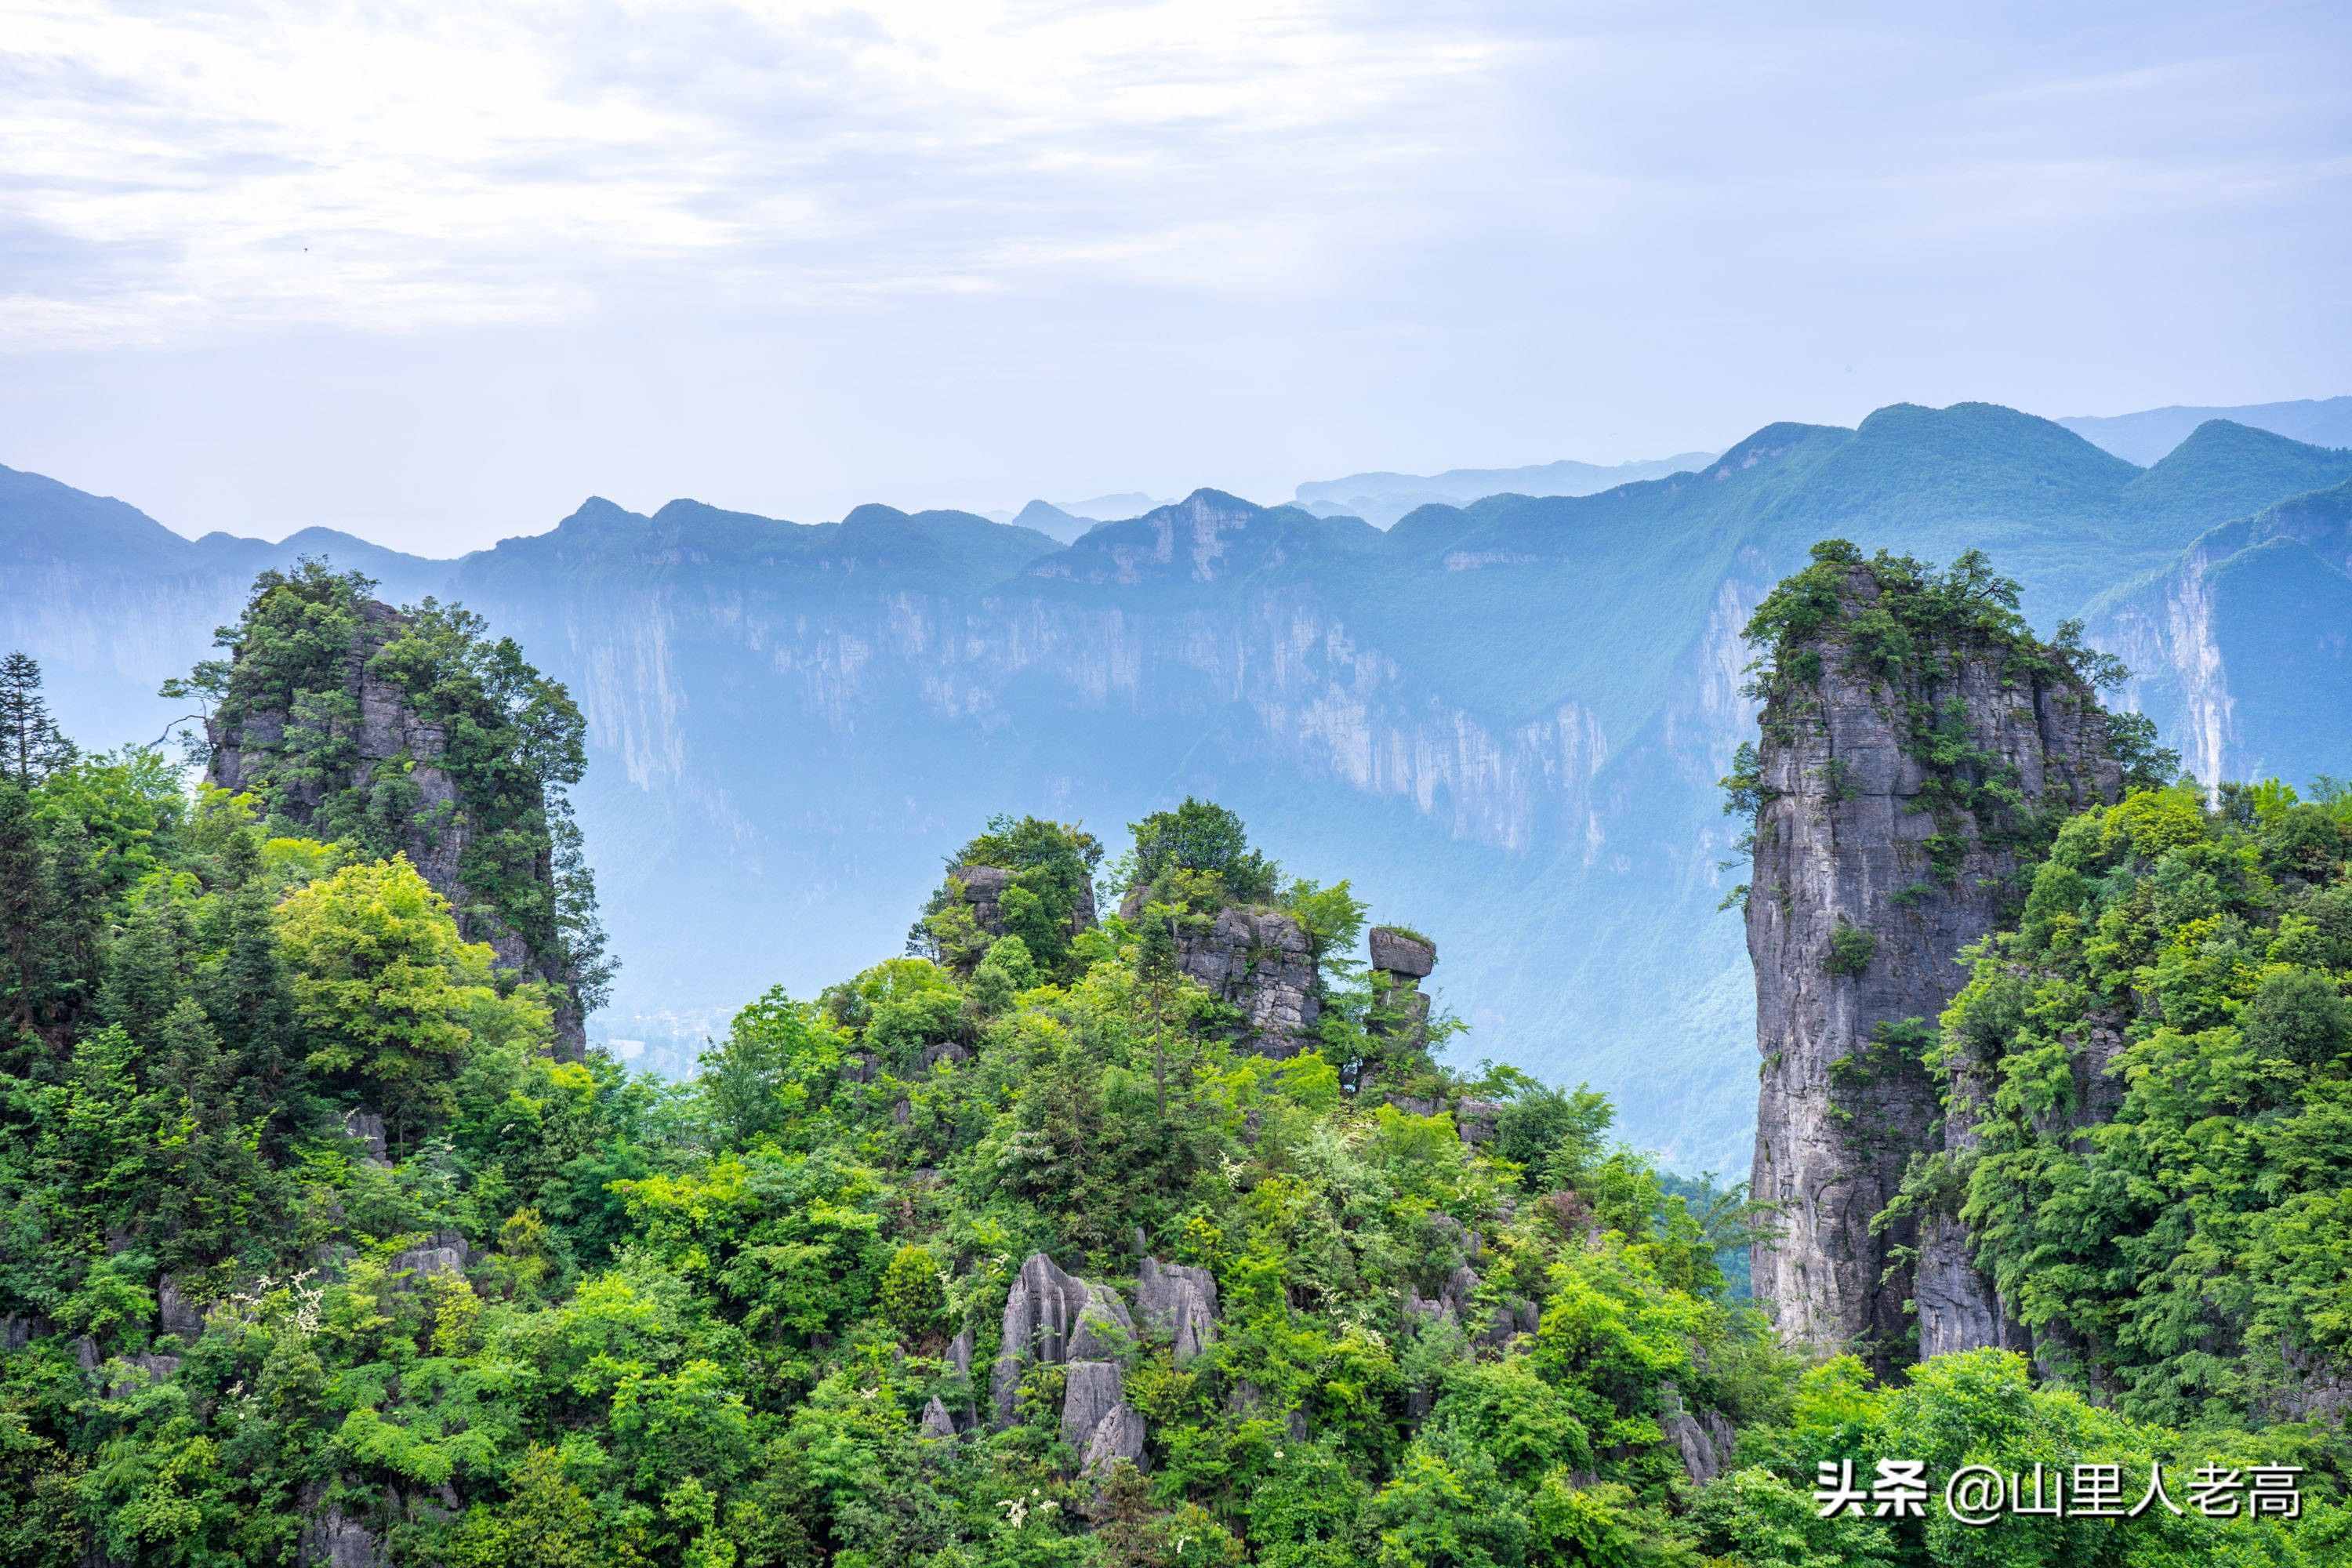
x: 1905, y: 629
x: 1051, y: 867
x: 572, y: 1315
x: 510, y: 739
x: 2164, y: 1049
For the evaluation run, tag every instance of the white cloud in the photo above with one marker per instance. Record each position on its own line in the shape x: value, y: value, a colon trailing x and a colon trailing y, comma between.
x: 390, y: 169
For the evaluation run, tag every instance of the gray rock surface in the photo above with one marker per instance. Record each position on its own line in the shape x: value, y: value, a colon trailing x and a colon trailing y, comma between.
x: 365, y: 1127
x: 175, y: 1314
x: 983, y: 889
x: 937, y: 1421
x: 1704, y: 1438
x: 444, y: 1253
x: 1119, y: 1436
x: 1837, y: 840
x: 244, y: 755
x: 1178, y: 1303
x: 1260, y: 962
x: 1476, y: 1118
x: 1093, y: 1388
x: 1043, y: 1314
x: 1396, y: 953
x: 332, y: 1539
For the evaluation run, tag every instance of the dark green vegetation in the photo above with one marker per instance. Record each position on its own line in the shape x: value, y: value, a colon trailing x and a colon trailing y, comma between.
x: 338, y: 713
x: 1505, y: 717
x: 565, y: 1314
x: 2165, y: 1150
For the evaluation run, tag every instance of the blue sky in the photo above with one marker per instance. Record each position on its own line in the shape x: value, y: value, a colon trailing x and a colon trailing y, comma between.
x: 434, y: 277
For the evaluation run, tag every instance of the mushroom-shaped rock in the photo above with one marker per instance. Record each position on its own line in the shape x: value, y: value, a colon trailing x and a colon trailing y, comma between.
x: 1093, y: 1388
x: 1117, y: 1436
x: 1178, y: 1303
x: 937, y: 1421
x: 1398, y: 952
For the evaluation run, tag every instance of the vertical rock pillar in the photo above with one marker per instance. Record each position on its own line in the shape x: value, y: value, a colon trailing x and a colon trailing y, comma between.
x: 1868, y: 880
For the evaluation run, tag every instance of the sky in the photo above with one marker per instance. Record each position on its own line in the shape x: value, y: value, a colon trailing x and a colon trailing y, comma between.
x: 434, y: 274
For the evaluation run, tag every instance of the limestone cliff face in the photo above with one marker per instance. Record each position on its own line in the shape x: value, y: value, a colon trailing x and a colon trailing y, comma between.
x: 1860, y: 901
x: 391, y: 735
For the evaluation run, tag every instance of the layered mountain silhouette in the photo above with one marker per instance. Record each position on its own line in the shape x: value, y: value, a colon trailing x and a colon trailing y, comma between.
x: 1507, y: 718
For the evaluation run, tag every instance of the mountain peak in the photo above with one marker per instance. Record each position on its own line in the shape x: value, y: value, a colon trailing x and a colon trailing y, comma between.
x: 1051, y: 521
x: 596, y: 511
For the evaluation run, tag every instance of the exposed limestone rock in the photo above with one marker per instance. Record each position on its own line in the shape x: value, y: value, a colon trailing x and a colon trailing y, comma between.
x: 1403, y: 960
x: 1475, y: 1120
x: 937, y: 1422
x: 983, y: 889
x: 391, y: 735
x: 2309, y: 1387
x: 1117, y: 1436
x: 1046, y: 1311
x: 332, y: 1539
x: 1837, y: 839
x: 1178, y: 1303
x: 1091, y: 1390
x: 1402, y: 956
x: 1704, y: 1438
x: 960, y: 1351
x: 174, y: 1312
x: 365, y: 1127
x: 1260, y: 962
x: 444, y: 1253
x: 17, y: 1333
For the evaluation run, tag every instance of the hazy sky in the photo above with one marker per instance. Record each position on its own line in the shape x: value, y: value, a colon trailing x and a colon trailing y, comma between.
x: 436, y: 275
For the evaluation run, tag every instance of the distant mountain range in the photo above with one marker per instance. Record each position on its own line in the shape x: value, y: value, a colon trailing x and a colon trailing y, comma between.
x: 2145, y: 436
x: 1381, y: 499
x: 1505, y: 718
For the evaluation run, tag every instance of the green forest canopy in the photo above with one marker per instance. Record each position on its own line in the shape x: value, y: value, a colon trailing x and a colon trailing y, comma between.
x: 566, y: 1313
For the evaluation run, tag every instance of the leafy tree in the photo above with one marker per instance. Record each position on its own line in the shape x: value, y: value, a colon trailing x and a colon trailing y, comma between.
x: 392, y: 1000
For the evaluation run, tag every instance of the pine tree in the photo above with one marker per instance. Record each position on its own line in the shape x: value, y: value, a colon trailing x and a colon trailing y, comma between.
x: 31, y: 747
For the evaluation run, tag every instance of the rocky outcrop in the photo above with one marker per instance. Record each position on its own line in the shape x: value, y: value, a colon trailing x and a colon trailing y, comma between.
x: 983, y: 889
x: 1703, y: 1438
x: 446, y: 1253
x: 1860, y: 900
x: 333, y: 1538
x: 1118, y: 1436
x: 175, y: 1313
x: 937, y: 1421
x: 1259, y: 961
x: 365, y: 1128
x: 1179, y: 1304
x: 1404, y: 960
x: 392, y: 741
x: 1050, y: 1318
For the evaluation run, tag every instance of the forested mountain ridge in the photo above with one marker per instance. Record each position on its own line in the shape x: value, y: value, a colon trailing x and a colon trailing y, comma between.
x: 1135, y: 1216
x: 1523, y: 702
